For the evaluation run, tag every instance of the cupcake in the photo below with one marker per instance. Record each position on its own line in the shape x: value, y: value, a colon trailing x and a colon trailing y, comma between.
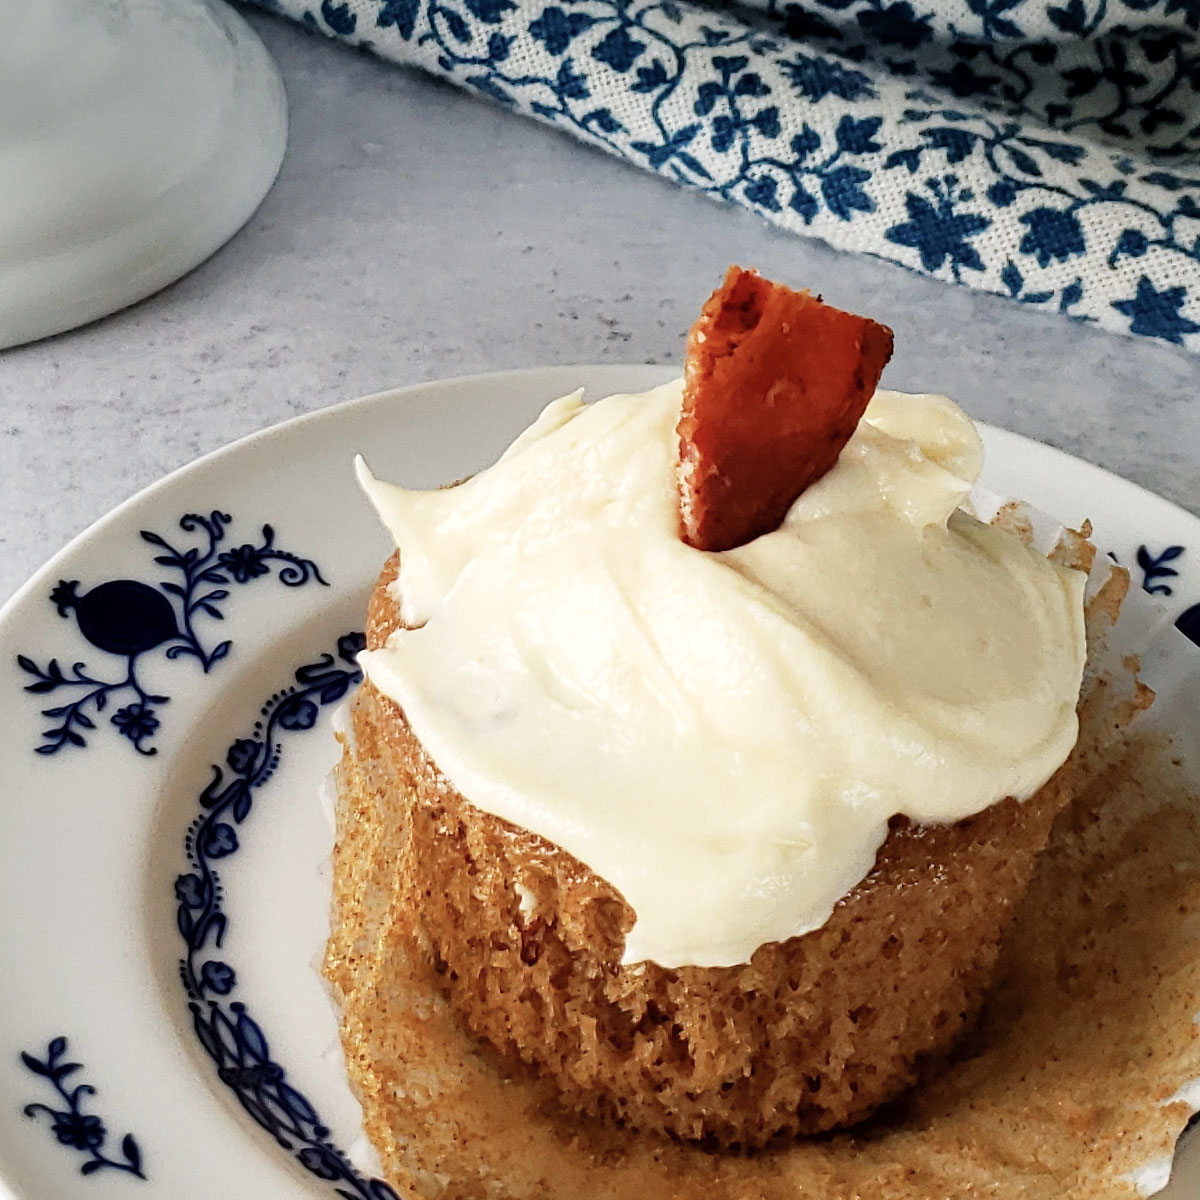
x: 710, y: 739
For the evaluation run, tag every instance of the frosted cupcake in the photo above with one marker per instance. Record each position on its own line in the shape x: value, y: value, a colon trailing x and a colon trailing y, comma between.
x: 714, y: 825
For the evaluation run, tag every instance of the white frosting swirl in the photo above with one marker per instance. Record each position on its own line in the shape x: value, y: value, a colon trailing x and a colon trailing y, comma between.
x: 724, y: 736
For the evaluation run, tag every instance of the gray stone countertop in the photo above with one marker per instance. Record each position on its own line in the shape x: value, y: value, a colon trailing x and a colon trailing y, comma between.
x: 416, y: 232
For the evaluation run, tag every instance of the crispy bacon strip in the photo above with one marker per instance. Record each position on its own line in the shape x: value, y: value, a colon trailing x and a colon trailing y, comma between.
x: 774, y: 385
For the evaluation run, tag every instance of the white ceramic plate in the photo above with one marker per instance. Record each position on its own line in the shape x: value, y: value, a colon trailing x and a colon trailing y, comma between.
x: 191, y: 666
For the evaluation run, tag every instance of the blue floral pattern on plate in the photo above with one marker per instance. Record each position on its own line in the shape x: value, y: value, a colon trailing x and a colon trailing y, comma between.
x: 1158, y: 570
x: 74, y: 1128
x: 128, y: 618
x: 225, y: 1029
x: 1048, y: 152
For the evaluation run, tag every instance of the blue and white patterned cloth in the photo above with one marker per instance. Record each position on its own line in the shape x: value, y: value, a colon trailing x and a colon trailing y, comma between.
x: 1046, y: 150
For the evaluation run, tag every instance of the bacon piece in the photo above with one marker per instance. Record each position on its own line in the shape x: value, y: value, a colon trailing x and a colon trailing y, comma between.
x: 774, y: 385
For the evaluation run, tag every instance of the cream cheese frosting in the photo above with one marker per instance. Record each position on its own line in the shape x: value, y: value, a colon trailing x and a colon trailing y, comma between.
x: 723, y: 737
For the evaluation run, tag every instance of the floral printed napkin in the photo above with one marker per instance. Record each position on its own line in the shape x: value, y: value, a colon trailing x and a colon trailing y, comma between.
x: 1046, y: 150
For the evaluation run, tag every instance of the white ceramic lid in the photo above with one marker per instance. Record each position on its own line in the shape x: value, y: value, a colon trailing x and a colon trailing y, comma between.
x: 136, y: 137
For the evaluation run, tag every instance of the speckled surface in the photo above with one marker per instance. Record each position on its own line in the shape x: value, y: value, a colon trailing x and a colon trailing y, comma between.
x: 416, y: 232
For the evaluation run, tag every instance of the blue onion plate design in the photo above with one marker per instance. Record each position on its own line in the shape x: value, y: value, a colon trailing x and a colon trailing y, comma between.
x: 1157, y: 567
x: 74, y: 1128
x: 1157, y: 573
x: 225, y: 1029
x: 128, y: 618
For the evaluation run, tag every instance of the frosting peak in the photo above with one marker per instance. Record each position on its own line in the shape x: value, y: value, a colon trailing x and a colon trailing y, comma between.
x: 723, y: 737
